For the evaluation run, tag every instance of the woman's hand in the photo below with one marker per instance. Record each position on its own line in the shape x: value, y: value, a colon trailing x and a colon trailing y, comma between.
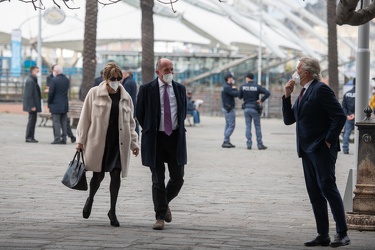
x: 79, y: 147
x: 136, y: 151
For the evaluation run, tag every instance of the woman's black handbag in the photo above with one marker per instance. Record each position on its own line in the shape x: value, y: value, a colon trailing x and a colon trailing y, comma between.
x: 75, y: 175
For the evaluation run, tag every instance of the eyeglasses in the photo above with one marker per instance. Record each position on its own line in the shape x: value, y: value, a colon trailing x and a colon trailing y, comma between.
x: 114, y: 78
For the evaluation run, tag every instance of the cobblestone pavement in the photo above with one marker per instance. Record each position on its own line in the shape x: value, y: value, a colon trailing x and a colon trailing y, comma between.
x: 232, y: 198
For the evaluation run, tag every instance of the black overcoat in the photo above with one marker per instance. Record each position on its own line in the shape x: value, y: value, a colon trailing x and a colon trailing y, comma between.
x: 148, y: 114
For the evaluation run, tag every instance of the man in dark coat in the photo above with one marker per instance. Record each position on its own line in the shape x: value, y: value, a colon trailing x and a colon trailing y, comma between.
x: 161, y: 112
x: 32, y: 102
x: 99, y: 79
x: 50, y: 76
x: 68, y: 127
x: 131, y: 87
x: 319, y: 119
x: 228, y: 93
x: 58, y: 104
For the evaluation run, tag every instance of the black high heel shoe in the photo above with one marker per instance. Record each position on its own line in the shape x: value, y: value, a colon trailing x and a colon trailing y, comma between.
x: 87, y: 208
x: 112, y: 217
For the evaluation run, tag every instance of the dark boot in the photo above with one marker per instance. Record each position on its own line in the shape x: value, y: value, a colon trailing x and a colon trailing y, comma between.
x: 113, y: 218
x: 87, y: 208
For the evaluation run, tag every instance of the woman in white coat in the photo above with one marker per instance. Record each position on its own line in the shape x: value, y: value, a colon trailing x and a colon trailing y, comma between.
x: 106, y: 134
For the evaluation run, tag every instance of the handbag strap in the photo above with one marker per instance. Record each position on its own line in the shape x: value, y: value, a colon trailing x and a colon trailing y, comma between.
x: 75, y: 156
x: 81, y: 153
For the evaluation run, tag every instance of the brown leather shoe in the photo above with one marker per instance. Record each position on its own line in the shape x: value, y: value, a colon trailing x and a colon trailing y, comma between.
x: 159, y: 225
x: 168, y: 216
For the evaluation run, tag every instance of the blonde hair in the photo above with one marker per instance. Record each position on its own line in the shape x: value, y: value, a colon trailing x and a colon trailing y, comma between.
x: 110, y: 70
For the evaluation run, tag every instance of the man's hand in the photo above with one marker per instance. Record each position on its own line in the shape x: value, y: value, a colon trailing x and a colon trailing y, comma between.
x: 289, y: 88
x: 328, y: 144
x: 350, y: 117
x: 33, y: 109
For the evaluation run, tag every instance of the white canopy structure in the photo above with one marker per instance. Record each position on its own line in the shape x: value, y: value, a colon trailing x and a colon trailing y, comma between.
x: 281, y: 28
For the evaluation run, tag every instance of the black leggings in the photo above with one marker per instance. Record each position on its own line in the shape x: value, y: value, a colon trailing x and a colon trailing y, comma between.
x: 114, y: 187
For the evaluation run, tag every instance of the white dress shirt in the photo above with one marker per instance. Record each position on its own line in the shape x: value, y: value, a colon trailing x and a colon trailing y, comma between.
x: 173, y: 104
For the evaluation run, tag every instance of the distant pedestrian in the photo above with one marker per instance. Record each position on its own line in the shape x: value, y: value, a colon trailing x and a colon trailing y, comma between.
x: 192, y: 109
x: 58, y: 104
x: 372, y: 98
x: 319, y: 119
x: 99, y: 79
x: 105, y: 132
x: 228, y: 95
x: 161, y: 112
x: 68, y: 127
x: 131, y: 87
x: 49, y: 78
x: 348, y: 105
x: 32, y: 102
x: 250, y: 93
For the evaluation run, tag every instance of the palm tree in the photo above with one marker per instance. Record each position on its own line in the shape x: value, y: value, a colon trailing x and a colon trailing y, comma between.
x: 147, y: 40
x: 89, y: 47
x: 332, y: 46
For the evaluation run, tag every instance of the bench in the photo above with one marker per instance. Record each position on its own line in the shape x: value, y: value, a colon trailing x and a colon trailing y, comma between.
x: 74, y: 113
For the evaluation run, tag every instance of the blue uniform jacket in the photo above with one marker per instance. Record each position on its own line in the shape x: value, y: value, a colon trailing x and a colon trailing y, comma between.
x: 250, y: 93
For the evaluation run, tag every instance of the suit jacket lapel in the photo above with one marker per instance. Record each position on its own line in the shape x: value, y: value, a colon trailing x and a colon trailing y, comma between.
x: 306, y: 95
x: 155, y: 101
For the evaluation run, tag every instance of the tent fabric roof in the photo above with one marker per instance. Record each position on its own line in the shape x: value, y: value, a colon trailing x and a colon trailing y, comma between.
x: 122, y: 21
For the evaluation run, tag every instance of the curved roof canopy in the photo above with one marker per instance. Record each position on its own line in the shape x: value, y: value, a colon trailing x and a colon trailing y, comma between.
x: 238, y: 26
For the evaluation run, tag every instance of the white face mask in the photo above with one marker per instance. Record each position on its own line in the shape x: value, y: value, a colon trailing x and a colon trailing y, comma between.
x: 114, y: 85
x: 168, y: 78
x: 296, y: 78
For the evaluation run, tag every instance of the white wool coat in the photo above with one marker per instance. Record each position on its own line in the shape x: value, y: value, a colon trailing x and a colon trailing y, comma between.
x: 93, y: 124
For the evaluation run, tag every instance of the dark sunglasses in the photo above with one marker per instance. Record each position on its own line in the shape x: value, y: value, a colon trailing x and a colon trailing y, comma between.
x: 114, y: 79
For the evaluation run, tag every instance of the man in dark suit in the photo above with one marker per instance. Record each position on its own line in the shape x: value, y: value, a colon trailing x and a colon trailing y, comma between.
x: 68, y: 127
x: 319, y: 119
x: 58, y: 104
x: 161, y: 112
x: 32, y: 102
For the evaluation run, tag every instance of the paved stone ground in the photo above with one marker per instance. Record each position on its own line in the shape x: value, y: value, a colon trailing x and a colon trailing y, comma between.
x: 232, y: 198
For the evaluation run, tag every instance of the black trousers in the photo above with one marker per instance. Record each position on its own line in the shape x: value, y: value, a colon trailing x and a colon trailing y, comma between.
x: 68, y: 128
x: 166, y: 153
x: 30, y: 129
x: 319, y: 170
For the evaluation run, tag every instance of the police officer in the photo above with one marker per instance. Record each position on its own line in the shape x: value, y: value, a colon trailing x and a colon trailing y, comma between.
x: 228, y: 93
x: 252, y: 108
x: 348, y: 105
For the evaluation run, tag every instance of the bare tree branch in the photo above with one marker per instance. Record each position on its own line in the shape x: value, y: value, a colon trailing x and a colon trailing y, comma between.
x: 38, y: 4
x: 110, y: 2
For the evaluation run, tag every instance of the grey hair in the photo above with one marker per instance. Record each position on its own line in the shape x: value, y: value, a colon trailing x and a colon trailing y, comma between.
x: 158, y: 62
x: 58, y: 69
x: 312, y: 66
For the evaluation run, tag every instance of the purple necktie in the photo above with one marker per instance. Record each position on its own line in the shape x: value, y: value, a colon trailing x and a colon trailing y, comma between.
x: 301, y: 95
x: 167, y: 112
